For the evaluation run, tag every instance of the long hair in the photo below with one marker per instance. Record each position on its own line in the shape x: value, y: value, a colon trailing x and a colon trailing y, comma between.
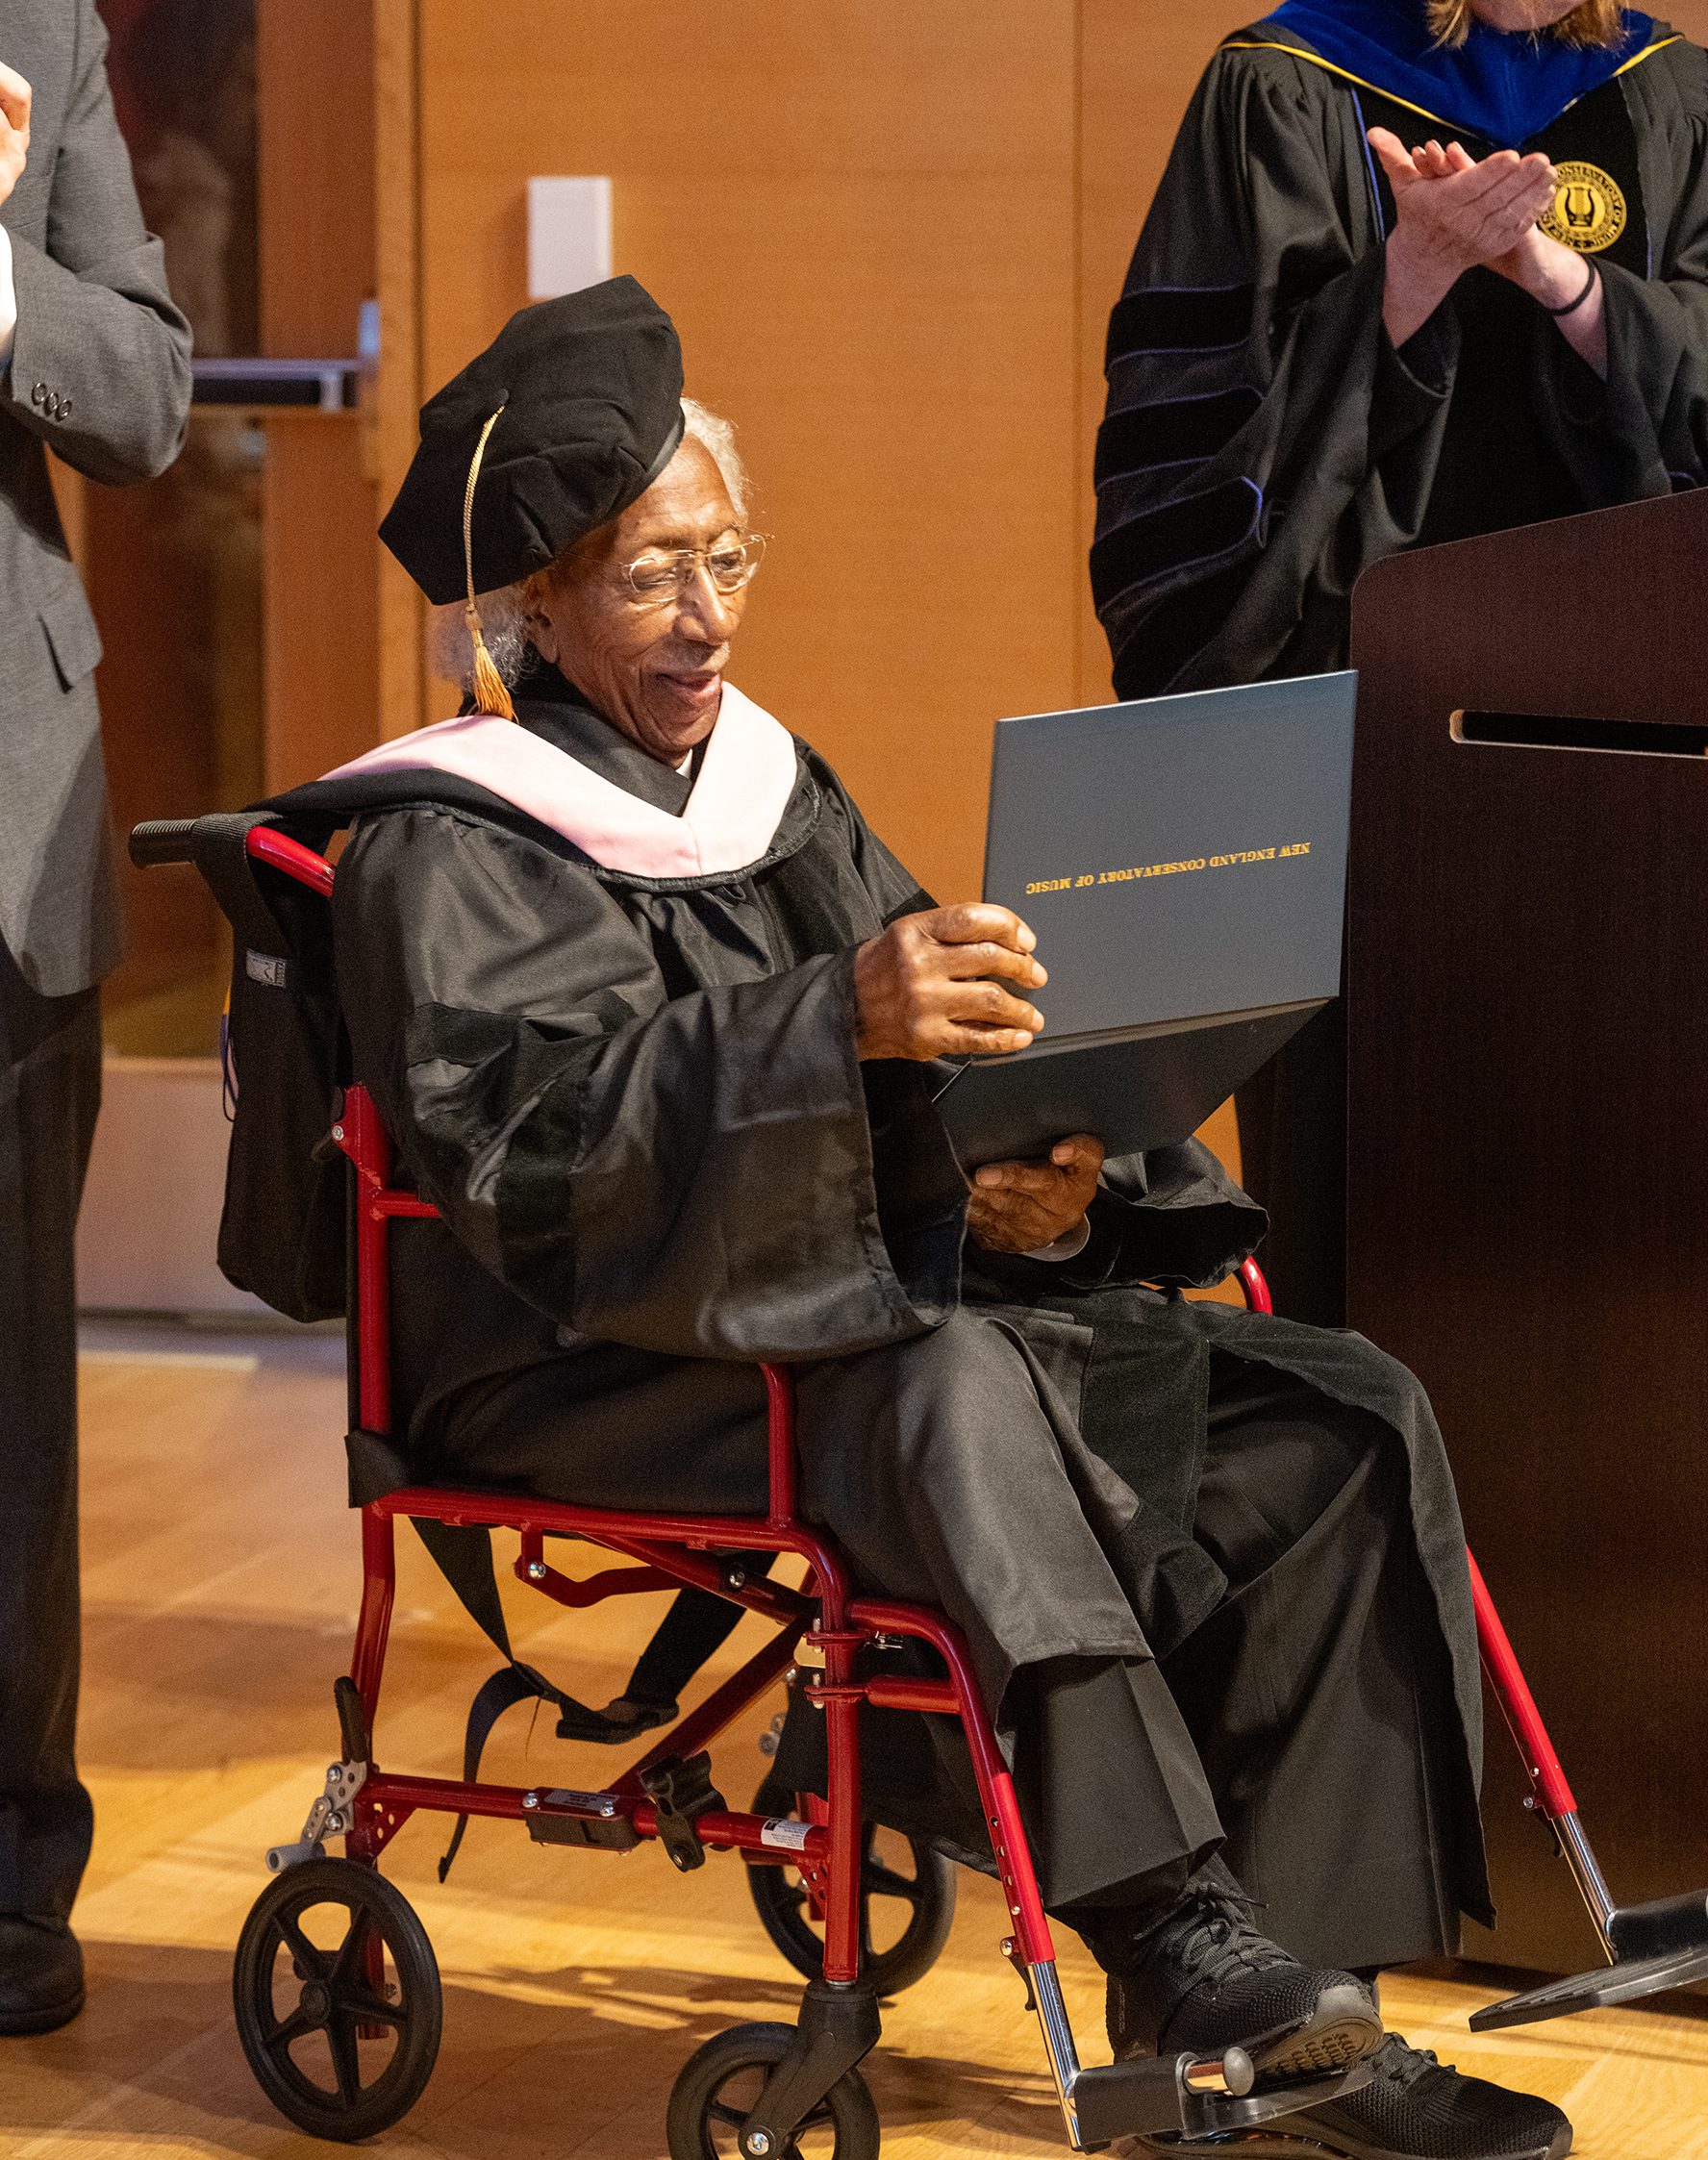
x: 1593, y: 22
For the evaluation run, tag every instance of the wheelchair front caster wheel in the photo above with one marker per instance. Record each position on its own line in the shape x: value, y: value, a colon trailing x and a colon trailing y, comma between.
x: 337, y: 1998
x: 907, y: 1907
x: 720, y: 2085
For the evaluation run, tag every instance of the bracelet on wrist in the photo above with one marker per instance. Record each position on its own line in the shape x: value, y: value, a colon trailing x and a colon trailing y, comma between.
x: 1571, y: 306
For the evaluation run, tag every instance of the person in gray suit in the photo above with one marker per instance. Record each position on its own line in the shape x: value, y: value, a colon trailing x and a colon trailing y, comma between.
x: 94, y: 364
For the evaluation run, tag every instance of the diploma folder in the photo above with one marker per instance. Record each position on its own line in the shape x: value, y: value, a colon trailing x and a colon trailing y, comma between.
x: 1183, y: 863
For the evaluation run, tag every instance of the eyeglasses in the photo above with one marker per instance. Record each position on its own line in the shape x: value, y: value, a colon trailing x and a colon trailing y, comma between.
x: 663, y: 574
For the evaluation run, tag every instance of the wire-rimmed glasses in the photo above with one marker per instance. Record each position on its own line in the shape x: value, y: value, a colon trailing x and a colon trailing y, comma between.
x: 662, y: 575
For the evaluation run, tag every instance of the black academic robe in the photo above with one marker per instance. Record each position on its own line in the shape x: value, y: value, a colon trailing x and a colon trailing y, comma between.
x: 637, y: 1105
x: 1264, y: 441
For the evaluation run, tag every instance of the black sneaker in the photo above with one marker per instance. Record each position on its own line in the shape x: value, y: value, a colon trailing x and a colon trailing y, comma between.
x: 1414, y: 2108
x: 1423, y: 2109
x: 1210, y: 1981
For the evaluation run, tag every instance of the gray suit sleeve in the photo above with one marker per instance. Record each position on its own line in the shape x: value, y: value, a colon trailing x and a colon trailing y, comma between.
x: 100, y: 365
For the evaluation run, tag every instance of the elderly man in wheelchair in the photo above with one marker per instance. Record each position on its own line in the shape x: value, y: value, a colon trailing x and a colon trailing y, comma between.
x: 646, y: 1008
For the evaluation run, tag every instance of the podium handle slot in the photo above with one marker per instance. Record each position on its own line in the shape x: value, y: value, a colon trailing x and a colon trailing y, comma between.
x: 1533, y: 731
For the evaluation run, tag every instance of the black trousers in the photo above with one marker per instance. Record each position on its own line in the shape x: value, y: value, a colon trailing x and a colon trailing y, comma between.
x: 50, y: 1089
x: 1305, y: 1730
x: 1317, y: 1696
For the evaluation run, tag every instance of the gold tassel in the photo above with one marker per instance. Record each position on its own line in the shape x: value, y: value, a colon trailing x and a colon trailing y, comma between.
x: 491, y: 696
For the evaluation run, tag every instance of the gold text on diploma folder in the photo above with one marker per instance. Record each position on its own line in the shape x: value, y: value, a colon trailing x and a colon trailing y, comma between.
x: 1169, y: 870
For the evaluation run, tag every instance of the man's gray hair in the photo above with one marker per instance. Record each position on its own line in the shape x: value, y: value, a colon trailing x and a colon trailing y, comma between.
x: 504, y: 612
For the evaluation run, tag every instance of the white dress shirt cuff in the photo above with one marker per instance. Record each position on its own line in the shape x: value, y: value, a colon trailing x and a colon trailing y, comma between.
x: 9, y: 313
x: 1068, y: 1247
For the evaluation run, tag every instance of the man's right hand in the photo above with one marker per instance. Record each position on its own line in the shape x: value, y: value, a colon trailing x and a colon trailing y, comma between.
x: 932, y: 985
x: 14, y: 128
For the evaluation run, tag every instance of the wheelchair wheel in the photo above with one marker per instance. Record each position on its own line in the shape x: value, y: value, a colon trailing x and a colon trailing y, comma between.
x: 907, y: 1907
x: 337, y: 1998
x: 720, y: 2083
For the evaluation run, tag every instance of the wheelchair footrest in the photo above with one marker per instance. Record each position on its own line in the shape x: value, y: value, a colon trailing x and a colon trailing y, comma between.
x: 618, y: 1724
x: 1171, y: 2098
x: 1627, y: 1981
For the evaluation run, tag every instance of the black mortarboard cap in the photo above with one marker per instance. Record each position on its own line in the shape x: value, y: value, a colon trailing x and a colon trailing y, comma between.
x: 587, y: 394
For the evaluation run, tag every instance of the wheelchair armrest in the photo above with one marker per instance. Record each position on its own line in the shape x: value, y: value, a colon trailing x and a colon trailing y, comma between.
x: 201, y: 839
x: 784, y: 1463
x: 1255, y: 1288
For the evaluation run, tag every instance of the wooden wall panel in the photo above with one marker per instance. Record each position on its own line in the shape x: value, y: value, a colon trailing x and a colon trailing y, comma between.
x: 1692, y: 18
x: 396, y: 183
x: 321, y: 573
x: 315, y: 64
x: 315, y: 67
x: 863, y: 218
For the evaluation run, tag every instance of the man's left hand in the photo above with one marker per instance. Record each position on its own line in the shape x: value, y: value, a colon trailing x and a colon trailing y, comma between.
x: 14, y: 129
x: 1023, y: 1207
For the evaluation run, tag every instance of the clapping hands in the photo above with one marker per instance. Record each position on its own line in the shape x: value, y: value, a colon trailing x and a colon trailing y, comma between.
x: 1455, y: 212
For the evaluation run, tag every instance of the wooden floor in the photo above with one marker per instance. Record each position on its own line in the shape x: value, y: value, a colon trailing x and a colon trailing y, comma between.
x: 220, y: 1576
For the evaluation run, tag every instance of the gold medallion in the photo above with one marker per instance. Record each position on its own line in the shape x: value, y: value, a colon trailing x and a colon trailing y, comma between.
x: 1588, y: 212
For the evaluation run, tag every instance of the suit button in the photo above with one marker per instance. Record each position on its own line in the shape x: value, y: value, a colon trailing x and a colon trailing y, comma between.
x: 53, y: 404
x: 38, y: 395
x: 65, y: 408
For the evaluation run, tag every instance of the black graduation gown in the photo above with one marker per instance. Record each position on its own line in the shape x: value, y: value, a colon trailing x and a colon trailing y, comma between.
x: 637, y: 1105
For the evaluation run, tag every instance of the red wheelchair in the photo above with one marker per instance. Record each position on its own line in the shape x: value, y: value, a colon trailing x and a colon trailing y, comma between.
x: 343, y: 2038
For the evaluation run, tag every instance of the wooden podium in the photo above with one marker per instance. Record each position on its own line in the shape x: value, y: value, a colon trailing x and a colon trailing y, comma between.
x: 1528, y: 1140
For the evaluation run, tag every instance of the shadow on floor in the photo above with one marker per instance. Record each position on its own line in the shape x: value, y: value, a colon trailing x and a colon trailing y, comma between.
x: 584, y: 2055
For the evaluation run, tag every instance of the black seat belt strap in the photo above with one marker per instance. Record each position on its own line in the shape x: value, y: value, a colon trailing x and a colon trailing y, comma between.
x: 464, y: 1555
